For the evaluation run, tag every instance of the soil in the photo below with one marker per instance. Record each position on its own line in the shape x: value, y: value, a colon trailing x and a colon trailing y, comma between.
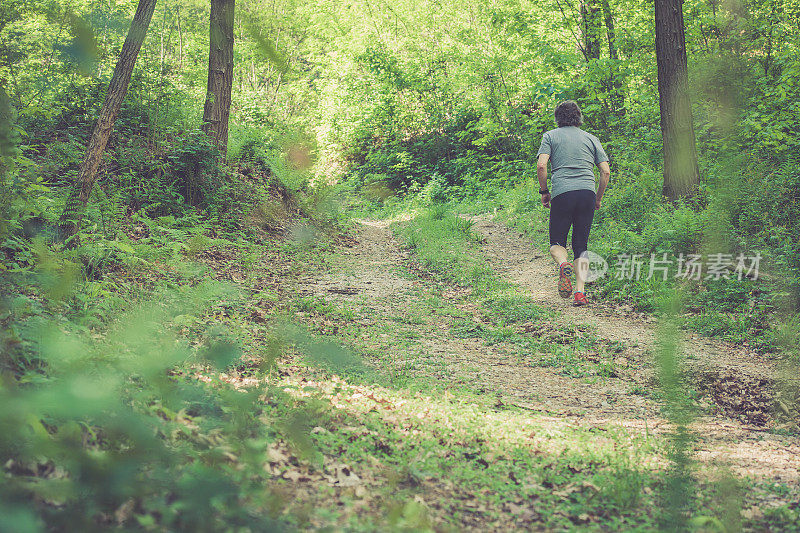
x: 737, y: 428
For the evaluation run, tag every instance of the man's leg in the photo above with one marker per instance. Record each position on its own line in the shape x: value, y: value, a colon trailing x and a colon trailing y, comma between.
x: 560, y: 221
x: 559, y: 253
x: 582, y: 223
x: 581, y: 267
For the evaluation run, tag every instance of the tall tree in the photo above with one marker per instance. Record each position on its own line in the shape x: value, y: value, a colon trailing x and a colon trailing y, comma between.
x: 79, y: 195
x: 591, y: 28
x: 681, y: 175
x: 220, y: 73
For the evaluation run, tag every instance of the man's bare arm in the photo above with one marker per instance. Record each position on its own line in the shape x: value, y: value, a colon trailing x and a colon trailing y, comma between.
x: 541, y: 173
x: 605, y: 176
x: 541, y: 170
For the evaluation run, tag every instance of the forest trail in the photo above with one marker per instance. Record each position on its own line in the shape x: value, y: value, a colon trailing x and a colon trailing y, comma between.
x: 376, y: 273
x: 374, y: 277
x: 524, y: 264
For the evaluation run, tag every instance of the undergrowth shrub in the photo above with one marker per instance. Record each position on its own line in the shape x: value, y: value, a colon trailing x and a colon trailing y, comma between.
x: 465, y: 157
x: 63, y: 160
x: 195, y: 172
x: 630, y: 198
x: 764, y: 209
x: 434, y: 192
x: 253, y: 152
x: 101, y: 436
x: 188, y: 174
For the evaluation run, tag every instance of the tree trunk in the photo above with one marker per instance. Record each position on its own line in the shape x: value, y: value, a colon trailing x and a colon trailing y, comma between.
x: 79, y: 195
x: 681, y: 175
x: 180, y: 40
x: 220, y: 73
x: 591, y: 28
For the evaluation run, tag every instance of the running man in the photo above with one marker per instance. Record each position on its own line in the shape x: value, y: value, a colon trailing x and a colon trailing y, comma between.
x: 572, y: 153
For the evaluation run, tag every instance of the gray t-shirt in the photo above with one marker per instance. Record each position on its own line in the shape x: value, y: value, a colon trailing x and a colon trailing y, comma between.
x: 573, y: 155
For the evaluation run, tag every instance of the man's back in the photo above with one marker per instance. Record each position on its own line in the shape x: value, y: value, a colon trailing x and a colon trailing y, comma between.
x: 573, y: 155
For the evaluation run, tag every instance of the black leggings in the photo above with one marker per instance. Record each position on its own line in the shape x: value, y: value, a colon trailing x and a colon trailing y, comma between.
x: 576, y: 209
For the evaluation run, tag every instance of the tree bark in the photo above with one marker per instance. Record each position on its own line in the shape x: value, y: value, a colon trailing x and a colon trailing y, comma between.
x: 681, y: 174
x: 79, y: 195
x: 220, y: 73
x: 180, y: 40
x: 591, y: 28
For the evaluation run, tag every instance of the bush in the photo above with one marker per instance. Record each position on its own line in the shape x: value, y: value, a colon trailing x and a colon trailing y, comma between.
x: 764, y: 210
x: 466, y: 156
x: 188, y: 174
x: 97, y: 433
x: 195, y: 170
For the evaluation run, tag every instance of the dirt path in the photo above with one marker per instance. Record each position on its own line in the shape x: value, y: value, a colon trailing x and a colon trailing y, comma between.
x: 369, y: 274
x: 519, y: 261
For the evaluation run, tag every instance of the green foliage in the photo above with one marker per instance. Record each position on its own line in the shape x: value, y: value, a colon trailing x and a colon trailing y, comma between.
x: 764, y: 212
x: 460, y: 161
x: 512, y: 308
x: 115, y: 432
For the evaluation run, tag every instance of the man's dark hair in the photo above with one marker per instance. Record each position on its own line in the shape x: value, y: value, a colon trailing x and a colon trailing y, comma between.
x: 568, y: 114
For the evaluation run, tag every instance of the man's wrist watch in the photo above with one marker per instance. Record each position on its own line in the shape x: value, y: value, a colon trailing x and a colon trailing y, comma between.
x: 544, y: 191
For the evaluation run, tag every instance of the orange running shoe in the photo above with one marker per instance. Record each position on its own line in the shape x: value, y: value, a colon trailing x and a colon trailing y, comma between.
x: 580, y: 299
x: 565, y: 279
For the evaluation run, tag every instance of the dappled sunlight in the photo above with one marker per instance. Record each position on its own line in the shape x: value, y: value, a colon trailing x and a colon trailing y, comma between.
x: 765, y: 459
x: 749, y: 453
x: 758, y: 456
x: 451, y: 416
x: 384, y: 223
